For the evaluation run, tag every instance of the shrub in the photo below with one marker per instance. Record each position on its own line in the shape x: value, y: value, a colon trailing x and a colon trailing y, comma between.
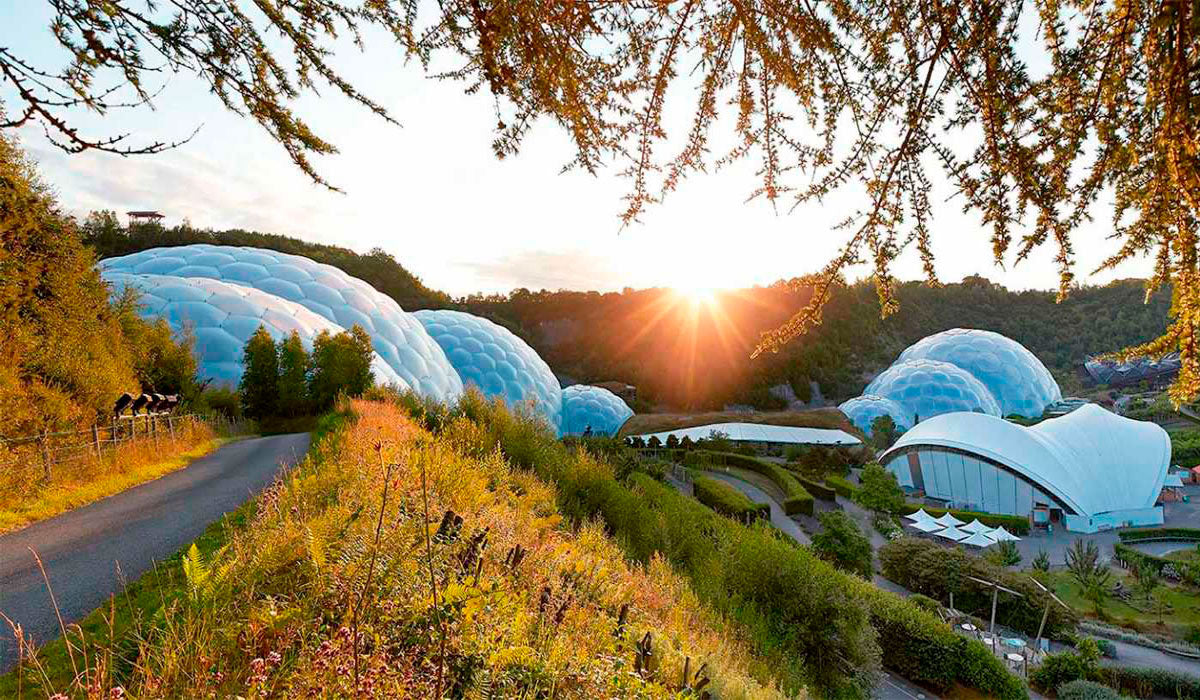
x: 1058, y: 670
x: 1086, y: 690
x: 1015, y: 524
x: 926, y: 567
x: 796, y: 498
x: 727, y: 500
x: 818, y: 490
x: 1149, y: 533
x: 879, y: 491
x: 1149, y: 682
x: 842, y: 486
x: 841, y: 543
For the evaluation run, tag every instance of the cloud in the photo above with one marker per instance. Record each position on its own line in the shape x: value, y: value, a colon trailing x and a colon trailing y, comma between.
x: 541, y: 269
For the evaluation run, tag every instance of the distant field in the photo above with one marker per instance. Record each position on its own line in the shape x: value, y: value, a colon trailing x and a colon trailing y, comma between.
x: 815, y: 418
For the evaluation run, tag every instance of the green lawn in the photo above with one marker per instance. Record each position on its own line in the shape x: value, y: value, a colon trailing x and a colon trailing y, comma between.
x: 1182, y: 612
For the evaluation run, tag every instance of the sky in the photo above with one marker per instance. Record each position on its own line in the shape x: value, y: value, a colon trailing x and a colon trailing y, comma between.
x: 431, y: 192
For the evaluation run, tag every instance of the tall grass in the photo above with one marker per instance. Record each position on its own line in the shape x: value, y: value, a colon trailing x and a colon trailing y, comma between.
x: 25, y: 497
x: 395, y: 563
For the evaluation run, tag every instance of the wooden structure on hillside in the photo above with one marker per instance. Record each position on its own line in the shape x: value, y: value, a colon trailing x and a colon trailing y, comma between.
x: 144, y: 217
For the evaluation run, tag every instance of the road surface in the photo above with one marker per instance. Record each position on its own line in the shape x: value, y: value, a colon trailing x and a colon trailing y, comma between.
x: 81, y: 549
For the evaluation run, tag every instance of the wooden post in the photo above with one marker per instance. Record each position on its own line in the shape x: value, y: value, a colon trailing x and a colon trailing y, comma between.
x: 45, y: 445
x: 995, y: 595
x: 170, y: 427
x: 96, y: 439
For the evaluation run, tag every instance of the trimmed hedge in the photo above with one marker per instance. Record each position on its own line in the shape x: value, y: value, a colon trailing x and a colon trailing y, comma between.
x: 727, y: 500
x: 1188, y: 571
x: 818, y: 490
x: 1150, y: 533
x: 796, y: 498
x: 1086, y: 690
x: 1145, y: 682
x: 841, y: 486
x: 1015, y: 524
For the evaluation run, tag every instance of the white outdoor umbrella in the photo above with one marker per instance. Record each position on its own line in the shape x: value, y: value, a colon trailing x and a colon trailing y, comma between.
x: 978, y: 539
x: 976, y: 526
x: 1002, y: 535
x: 920, y: 516
x: 952, y: 533
x: 926, y: 526
x: 948, y: 520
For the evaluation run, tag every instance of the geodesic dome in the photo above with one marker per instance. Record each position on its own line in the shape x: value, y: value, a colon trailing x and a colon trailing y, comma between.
x: 586, y: 406
x: 863, y: 410
x: 223, y: 316
x: 1018, y: 380
x: 927, y: 388
x: 325, y: 290
x: 492, y: 358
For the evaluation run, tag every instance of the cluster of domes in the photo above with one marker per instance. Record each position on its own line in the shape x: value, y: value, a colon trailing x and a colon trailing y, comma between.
x: 957, y: 370
x: 222, y: 294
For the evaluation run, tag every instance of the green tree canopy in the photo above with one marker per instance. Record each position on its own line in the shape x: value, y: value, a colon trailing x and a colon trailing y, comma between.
x: 879, y: 491
x: 259, y: 386
x: 341, y: 363
x: 293, y: 377
x: 843, y: 544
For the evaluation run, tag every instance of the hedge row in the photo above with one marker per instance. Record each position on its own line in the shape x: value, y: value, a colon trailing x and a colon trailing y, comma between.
x: 796, y: 498
x: 1150, y: 533
x: 821, y: 491
x: 842, y: 486
x: 1150, y: 682
x: 1015, y: 524
x: 1188, y: 571
x: 727, y: 500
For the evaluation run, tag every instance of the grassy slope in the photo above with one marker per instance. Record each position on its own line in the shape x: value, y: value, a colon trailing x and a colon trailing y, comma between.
x: 60, y: 498
x: 1184, y: 610
x: 659, y: 422
x: 265, y: 609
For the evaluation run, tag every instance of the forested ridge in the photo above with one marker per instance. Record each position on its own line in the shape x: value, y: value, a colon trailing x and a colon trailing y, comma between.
x: 685, y: 354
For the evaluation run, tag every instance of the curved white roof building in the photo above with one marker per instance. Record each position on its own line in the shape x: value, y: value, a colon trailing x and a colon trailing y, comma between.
x: 1090, y: 469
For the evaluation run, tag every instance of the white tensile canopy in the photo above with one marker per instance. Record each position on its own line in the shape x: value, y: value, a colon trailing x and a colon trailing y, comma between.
x: 926, y: 526
x: 948, y: 520
x: 978, y: 539
x: 952, y: 533
x: 920, y: 516
x: 1002, y: 535
x: 976, y: 526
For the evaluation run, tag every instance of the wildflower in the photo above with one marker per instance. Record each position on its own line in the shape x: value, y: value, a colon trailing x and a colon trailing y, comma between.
x: 117, y: 693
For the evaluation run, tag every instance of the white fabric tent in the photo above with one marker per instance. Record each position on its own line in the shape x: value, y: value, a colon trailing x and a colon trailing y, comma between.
x: 1002, y: 535
x: 1173, y: 480
x: 926, y: 526
x: 948, y: 520
x: 920, y: 516
x: 952, y: 533
x: 978, y: 539
x: 976, y: 526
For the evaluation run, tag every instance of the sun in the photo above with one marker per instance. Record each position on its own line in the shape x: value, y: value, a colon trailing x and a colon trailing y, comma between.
x: 697, y: 294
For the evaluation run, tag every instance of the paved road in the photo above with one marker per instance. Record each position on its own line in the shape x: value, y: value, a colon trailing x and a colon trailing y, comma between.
x: 81, y: 549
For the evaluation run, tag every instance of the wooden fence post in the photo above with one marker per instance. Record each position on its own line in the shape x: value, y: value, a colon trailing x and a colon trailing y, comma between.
x: 96, y: 439
x: 45, y: 445
x: 170, y: 427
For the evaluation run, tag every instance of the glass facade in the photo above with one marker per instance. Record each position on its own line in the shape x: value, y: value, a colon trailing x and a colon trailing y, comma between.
x: 863, y: 410
x: 927, y: 388
x: 592, y: 407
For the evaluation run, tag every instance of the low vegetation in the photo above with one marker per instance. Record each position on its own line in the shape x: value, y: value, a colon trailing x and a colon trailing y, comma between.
x: 727, y: 500
x: 394, y: 563
x: 795, y: 498
x: 26, y: 497
x: 1078, y: 675
x: 843, y: 544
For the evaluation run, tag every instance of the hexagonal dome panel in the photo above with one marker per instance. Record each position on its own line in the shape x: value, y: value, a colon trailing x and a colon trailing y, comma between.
x: 323, y: 289
x: 1019, y: 381
x: 223, y: 316
x: 863, y: 410
x: 592, y: 407
x: 493, y: 359
x: 927, y: 388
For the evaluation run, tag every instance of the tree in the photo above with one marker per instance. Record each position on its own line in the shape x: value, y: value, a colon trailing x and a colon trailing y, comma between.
x: 293, y: 376
x: 686, y: 443
x: 1003, y: 554
x: 654, y: 443
x: 1092, y: 575
x: 672, y: 442
x: 63, y: 356
x: 259, y: 386
x: 341, y: 363
x: 883, y: 433
x: 1041, y: 562
x: 843, y: 544
x: 878, y: 490
x: 1029, y: 129
x: 1148, y: 579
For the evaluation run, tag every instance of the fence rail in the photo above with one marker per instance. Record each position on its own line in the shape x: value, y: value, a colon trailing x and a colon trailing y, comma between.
x: 53, y: 448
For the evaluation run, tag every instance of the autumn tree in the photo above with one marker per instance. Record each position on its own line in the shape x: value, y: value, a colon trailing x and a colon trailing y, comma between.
x: 1035, y: 114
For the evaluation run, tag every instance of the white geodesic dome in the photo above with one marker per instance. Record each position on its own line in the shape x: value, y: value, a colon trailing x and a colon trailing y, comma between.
x: 594, y: 407
x: 863, y: 410
x: 1017, y: 379
x: 499, y: 363
x: 927, y: 388
x: 416, y: 361
x: 222, y: 317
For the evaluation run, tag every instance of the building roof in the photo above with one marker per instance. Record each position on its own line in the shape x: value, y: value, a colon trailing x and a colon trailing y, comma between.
x: 760, y: 432
x: 1093, y: 460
